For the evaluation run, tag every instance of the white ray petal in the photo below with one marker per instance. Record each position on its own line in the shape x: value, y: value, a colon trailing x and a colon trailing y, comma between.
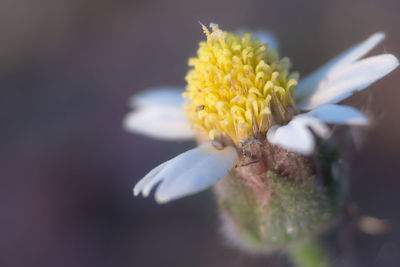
x: 161, y: 172
x: 194, y: 171
x: 309, y: 84
x: 138, y: 188
x: 340, y: 83
x: 265, y: 37
x: 296, y: 136
x: 358, y: 50
x: 292, y: 138
x: 318, y: 127
x: 153, y: 182
x: 330, y: 113
x: 158, y: 96
x: 165, y: 123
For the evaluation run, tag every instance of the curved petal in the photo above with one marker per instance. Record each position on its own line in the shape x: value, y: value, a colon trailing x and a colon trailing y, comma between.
x: 148, y: 180
x: 357, y: 51
x: 188, y: 173
x: 207, y: 166
x: 312, y: 83
x: 296, y: 136
x: 158, y: 96
x: 265, y: 37
x: 340, y: 83
x: 165, y: 123
x: 339, y: 115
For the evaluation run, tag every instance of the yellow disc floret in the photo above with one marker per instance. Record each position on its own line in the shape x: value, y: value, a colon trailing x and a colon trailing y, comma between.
x: 238, y: 86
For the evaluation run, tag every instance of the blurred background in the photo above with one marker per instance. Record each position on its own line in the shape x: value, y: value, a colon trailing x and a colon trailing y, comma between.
x: 67, y: 69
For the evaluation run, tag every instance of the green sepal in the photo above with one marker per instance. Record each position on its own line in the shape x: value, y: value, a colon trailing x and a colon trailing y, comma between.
x: 296, y: 210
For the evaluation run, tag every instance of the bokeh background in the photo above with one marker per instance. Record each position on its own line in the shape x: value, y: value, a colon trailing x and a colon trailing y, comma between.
x: 67, y: 69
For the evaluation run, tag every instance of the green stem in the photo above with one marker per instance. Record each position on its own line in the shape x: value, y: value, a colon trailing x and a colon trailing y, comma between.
x: 309, y: 254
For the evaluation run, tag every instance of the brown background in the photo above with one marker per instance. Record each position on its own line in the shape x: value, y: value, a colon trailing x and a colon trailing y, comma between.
x: 67, y: 68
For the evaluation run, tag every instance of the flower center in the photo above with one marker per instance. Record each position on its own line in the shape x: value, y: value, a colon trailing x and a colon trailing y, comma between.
x: 238, y: 86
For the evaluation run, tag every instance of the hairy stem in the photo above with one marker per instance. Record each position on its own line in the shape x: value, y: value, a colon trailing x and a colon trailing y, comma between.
x: 309, y: 254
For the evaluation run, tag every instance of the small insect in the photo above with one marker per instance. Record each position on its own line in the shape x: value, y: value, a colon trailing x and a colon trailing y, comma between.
x: 201, y: 107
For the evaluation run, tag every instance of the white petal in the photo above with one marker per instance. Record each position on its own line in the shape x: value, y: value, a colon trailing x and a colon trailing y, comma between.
x: 357, y: 51
x: 339, y: 114
x: 165, y: 123
x: 139, y: 187
x: 159, y: 96
x: 188, y: 173
x: 296, y: 136
x: 309, y: 84
x: 194, y: 172
x: 159, y: 114
x: 340, y: 83
x: 298, y: 140
x: 147, y: 183
x: 265, y: 37
x: 306, y: 121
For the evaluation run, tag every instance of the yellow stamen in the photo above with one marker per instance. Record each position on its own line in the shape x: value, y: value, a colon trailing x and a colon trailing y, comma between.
x: 238, y: 86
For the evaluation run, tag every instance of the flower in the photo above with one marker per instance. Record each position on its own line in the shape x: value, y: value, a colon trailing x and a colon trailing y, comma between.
x: 239, y: 90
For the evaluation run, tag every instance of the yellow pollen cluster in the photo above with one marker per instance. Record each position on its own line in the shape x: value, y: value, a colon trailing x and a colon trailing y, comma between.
x: 238, y: 86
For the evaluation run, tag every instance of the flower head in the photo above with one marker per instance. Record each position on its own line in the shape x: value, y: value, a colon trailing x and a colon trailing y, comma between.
x: 240, y: 92
x: 256, y: 125
x: 238, y: 86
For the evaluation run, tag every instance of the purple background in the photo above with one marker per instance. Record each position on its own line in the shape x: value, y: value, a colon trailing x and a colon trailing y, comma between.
x: 67, y: 68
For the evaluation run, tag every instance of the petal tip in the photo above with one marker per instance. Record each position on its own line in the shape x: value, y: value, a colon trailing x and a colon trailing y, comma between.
x: 378, y: 36
x: 135, y: 191
x: 129, y: 122
x: 146, y: 191
x: 362, y: 121
x: 388, y: 62
x: 395, y: 60
x: 160, y: 199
